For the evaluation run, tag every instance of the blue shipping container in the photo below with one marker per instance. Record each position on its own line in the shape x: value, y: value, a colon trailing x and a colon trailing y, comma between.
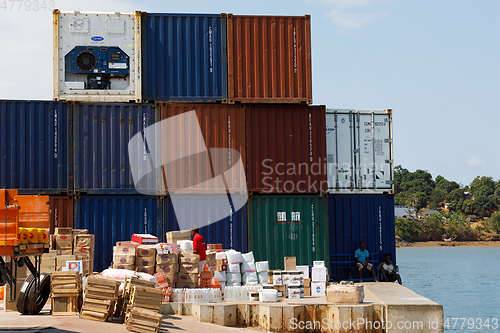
x: 230, y: 231
x: 35, y: 150
x: 184, y: 57
x: 356, y: 218
x: 101, y: 138
x: 116, y: 218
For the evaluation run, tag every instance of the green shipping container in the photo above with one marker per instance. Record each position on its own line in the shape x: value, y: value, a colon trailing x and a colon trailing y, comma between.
x: 288, y: 226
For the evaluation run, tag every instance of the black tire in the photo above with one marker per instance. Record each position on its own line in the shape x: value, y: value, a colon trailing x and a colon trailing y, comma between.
x: 36, y: 299
x: 22, y: 295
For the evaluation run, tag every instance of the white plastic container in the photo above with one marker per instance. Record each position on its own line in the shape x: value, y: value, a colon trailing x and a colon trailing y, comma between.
x: 268, y: 295
x: 97, y: 56
x: 186, y: 246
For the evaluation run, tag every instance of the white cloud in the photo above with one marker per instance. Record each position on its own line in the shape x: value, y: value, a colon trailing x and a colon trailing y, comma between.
x: 475, y: 162
x: 351, y: 14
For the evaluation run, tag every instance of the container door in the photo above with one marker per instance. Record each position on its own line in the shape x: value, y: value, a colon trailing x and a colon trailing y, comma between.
x: 340, y: 150
x: 373, y: 136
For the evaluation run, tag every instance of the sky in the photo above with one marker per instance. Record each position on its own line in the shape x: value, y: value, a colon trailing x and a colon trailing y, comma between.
x: 435, y: 63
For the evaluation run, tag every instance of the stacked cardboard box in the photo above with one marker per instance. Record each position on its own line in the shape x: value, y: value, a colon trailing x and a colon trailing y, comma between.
x: 49, y: 263
x: 168, y: 264
x: 188, y: 270
x: 124, y: 255
x: 64, y: 240
x: 175, y: 236
x: 146, y: 259
x: 318, y: 284
x: 83, y: 249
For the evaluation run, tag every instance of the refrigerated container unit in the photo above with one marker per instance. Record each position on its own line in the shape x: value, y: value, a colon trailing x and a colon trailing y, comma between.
x: 102, y: 132
x: 286, y: 149
x: 359, y: 151
x: 184, y: 57
x: 288, y: 226
x: 354, y: 218
x: 115, y: 218
x: 269, y: 59
x: 35, y: 147
x: 97, y: 56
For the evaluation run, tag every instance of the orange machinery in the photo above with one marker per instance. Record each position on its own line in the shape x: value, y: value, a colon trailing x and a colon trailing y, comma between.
x: 24, y: 233
x: 24, y: 224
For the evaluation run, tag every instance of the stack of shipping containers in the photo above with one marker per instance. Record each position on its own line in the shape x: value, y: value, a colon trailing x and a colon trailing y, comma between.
x: 317, y: 181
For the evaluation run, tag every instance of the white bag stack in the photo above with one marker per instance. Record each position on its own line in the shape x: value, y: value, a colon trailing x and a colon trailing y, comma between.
x: 249, y: 270
x: 221, y: 276
x: 234, y: 257
x: 250, y: 278
x: 262, y: 269
x: 233, y: 268
x: 233, y: 278
x: 220, y: 255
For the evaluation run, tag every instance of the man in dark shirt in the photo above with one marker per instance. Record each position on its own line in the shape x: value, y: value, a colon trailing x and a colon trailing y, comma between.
x: 199, y: 246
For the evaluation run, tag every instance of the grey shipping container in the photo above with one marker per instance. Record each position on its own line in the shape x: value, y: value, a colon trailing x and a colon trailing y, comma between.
x: 35, y: 147
x: 359, y: 151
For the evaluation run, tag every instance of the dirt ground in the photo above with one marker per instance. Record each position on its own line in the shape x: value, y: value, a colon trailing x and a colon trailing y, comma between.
x: 452, y: 243
x: 45, y: 323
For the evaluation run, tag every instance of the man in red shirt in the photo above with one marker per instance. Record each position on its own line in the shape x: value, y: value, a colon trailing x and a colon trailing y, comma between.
x: 199, y: 246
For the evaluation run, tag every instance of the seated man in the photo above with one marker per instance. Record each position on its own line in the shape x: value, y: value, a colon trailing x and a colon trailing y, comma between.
x: 361, y: 256
x: 388, y: 270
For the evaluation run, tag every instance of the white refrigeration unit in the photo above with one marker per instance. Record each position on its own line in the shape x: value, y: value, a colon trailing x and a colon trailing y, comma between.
x: 97, y: 56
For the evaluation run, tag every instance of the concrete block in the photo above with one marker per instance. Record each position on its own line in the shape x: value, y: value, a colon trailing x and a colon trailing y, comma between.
x: 169, y: 308
x: 244, y: 315
x: 292, y: 316
x: 224, y: 315
x: 271, y: 318
x: 415, y: 318
x: 187, y: 309
x: 202, y: 312
x: 254, y: 315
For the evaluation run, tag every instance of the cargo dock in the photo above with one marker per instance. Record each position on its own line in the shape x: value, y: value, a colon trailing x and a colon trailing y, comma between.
x: 388, y: 307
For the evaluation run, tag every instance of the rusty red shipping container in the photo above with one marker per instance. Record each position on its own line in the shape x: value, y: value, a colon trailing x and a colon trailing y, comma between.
x: 61, y: 212
x: 286, y: 149
x: 269, y: 59
x: 222, y: 126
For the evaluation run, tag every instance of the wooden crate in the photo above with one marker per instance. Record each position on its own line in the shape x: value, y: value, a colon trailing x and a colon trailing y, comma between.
x: 66, y: 305
x: 66, y: 284
x: 102, y: 288
x: 143, y: 321
x: 98, y: 310
x: 146, y: 298
x: 131, y: 281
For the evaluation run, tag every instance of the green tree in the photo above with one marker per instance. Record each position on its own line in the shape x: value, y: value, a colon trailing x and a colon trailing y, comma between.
x: 484, y: 205
x: 483, y: 186
x: 468, y: 207
x: 494, y: 222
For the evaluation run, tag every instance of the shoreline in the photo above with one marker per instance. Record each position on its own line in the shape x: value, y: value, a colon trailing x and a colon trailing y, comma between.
x: 402, y: 244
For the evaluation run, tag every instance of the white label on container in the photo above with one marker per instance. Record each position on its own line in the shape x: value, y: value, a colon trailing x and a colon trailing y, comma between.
x: 25, y: 285
x: 117, y: 65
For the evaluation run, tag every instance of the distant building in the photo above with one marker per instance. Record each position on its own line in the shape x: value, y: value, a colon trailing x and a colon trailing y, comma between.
x: 469, y: 195
x: 404, y: 211
x: 430, y: 212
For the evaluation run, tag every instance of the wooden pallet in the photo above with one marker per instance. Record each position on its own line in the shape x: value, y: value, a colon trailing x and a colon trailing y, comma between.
x: 95, y: 309
x: 66, y: 305
x: 131, y: 281
x: 146, y: 298
x: 143, y: 321
x: 102, y: 288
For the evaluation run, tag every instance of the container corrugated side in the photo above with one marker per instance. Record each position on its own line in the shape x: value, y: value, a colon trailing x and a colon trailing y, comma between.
x: 35, y: 149
x: 184, y: 57
x: 221, y: 126
x: 288, y: 226
x: 116, y: 218
x: 359, y: 151
x: 101, y: 143
x: 286, y: 149
x: 230, y: 231
x: 269, y: 59
x: 356, y: 218
x: 61, y: 212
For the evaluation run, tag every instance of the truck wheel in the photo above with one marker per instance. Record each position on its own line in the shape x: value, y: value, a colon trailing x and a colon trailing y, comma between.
x: 22, y: 295
x: 37, y: 299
